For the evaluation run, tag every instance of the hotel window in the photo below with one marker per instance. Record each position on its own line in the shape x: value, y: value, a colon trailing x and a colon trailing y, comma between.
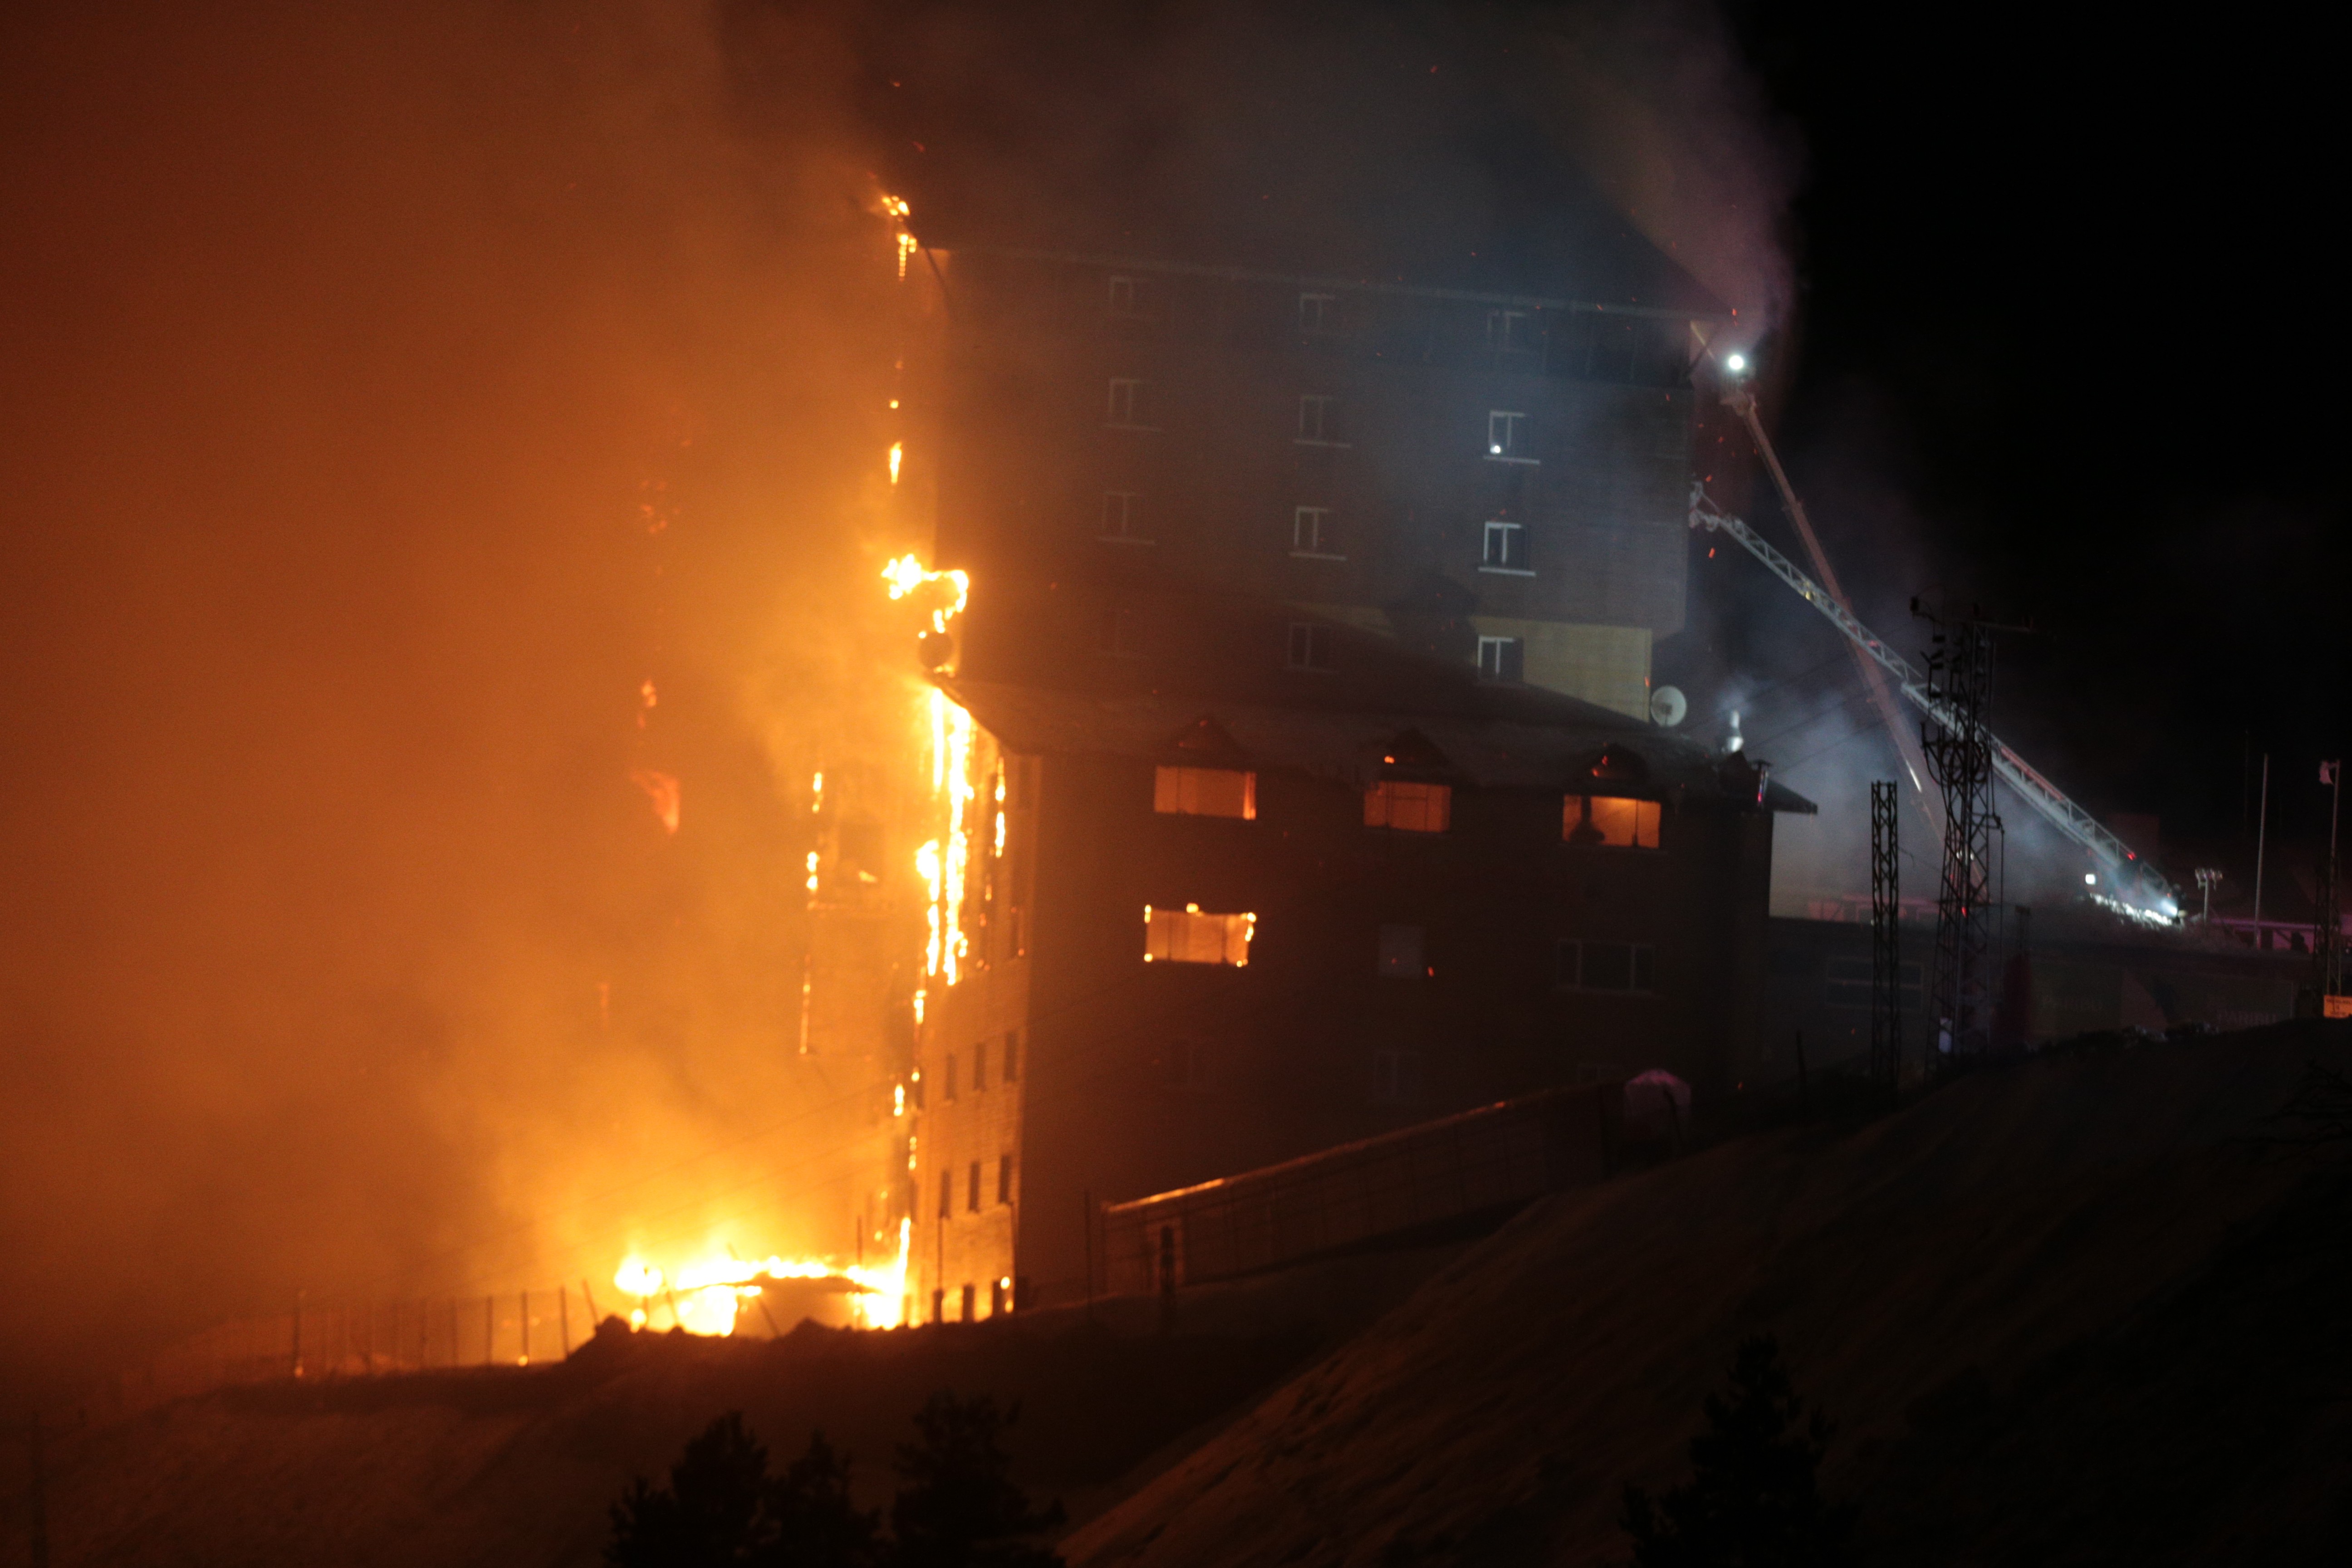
x: 1127, y: 405
x: 1315, y: 312
x: 1318, y: 421
x: 1004, y: 1178
x: 1408, y: 807
x: 979, y: 1067
x: 1311, y: 533
x: 1611, y: 820
x: 947, y: 1194
x: 1205, y: 791
x: 1310, y: 647
x: 1396, y: 1076
x: 1502, y: 658
x: 1012, y: 1055
x: 1188, y: 935
x: 1122, y: 517
x: 948, y: 1084
x: 1507, y: 435
x: 1503, y: 547
x: 1623, y: 966
x: 1400, y: 954
x: 971, y: 1190
x: 1123, y: 296
x: 1510, y: 333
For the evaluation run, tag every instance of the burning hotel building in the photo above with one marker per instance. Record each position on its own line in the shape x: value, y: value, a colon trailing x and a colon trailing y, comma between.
x: 1293, y: 716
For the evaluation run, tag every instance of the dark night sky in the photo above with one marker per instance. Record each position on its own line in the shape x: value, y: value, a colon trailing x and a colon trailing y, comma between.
x: 2068, y: 292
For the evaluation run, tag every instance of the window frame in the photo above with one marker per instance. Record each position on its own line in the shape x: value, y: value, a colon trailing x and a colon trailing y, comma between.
x: 1230, y: 955
x: 1515, y: 439
x: 1649, y: 813
x: 1510, y: 665
x: 1325, y: 424
x: 1125, y: 412
x: 1174, y: 781
x: 1310, y: 530
x: 1516, y: 548
x: 1129, y: 510
x: 1385, y: 792
x: 1308, y: 650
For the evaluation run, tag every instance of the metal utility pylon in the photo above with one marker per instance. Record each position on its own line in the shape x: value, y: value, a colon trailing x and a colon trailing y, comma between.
x: 1958, y: 748
x: 1885, y: 939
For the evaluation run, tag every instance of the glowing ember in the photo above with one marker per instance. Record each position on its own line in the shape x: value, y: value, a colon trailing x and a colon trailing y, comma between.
x: 662, y: 790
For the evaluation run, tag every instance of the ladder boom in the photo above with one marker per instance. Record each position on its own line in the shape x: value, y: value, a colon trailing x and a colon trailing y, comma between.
x: 2014, y: 771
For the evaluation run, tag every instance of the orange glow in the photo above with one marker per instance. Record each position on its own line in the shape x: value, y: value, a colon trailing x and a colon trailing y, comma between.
x: 662, y: 790
x: 898, y: 456
x: 707, y: 1296
x: 947, y: 591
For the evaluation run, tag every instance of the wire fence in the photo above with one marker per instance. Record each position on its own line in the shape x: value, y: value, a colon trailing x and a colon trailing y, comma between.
x: 351, y: 1340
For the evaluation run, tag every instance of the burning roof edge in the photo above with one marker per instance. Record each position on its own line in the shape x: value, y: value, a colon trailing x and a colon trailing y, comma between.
x: 1532, y: 752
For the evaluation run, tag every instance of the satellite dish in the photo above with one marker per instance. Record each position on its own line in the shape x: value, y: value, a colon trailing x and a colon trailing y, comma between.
x: 1667, y: 706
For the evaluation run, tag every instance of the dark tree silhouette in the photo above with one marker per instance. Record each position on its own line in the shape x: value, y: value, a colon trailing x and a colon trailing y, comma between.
x: 722, y: 1509
x: 816, y: 1525
x: 1753, y: 1500
x: 957, y: 1506
x: 711, y: 1512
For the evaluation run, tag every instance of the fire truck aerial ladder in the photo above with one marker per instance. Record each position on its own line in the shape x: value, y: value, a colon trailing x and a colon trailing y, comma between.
x: 2136, y: 889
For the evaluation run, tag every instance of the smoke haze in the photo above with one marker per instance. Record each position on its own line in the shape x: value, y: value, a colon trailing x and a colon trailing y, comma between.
x: 397, y: 399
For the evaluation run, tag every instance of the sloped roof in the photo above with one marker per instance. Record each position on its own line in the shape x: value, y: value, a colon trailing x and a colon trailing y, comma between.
x: 1351, y: 745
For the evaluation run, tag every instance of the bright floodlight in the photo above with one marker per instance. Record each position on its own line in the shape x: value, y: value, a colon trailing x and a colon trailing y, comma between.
x: 1735, y: 363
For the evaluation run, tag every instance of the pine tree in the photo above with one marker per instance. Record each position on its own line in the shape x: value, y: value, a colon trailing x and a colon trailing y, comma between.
x: 816, y: 1525
x: 1753, y: 1500
x: 958, y: 1506
x: 722, y: 1510
x: 712, y: 1512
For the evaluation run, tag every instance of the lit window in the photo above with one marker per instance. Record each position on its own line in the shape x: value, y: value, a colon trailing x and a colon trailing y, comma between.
x: 1125, y: 406
x: 1609, y: 819
x: 1189, y: 936
x: 1502, y: 658
x: 1310, y: 531
x: 1625, y: 966
x: 1504, y: 547
x: 1506, y: 435
x: 1310, y: 647
x: 1409, y: 807
x: 1315, y: 312
x: 1205, y: 791
x: 1122, y: 517
x: 1123, y: 296
x: 1400, y: 954
x: 1318, y: 421
x: 1396, y: 1075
